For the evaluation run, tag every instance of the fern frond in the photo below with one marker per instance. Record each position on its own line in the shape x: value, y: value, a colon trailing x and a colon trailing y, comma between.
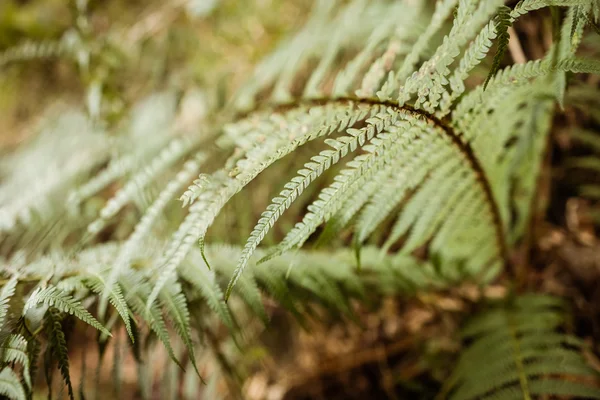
x: 206, y: 283
x: 143, y: 227
x: 58, y: 345
x: 10, y: 385
x: 167, y: 157
x: 7, y: 292
x: 136, y: 294
x: 443, y: 10
x: 502, y: 25
x: 175, y: 304
x: 384, y: 146
x: 31, y: 50
x: 293, y: 189
x: 321, y: 121
x: 329, y: 203
x: 15, y: 349
x: 98, y: 284
x: 519, y: 351
x: 54, y: 297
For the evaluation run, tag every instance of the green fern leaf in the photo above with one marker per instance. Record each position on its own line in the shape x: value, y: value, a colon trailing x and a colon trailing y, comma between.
x: 58, y: 345
x: 8, y: 290
x: 14, y: 349
x: 206, y: 283
x: 177, y: 311
x: 136, y: 294
x: 293, y: 189
x: 503, y: 23
x: 10, y: 386
x: 519, y: 351
x: 97, y: 283
x: 54, y: 297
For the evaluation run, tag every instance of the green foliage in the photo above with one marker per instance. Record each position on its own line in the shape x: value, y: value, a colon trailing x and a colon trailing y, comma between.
x: 587, y: 163
x: 14, y: 349
x: 519, y: 351
x: 502, y: 25
x: 10, y: 385
x: 417, y: 140
x: 54, y: 297
x: 57, y: 346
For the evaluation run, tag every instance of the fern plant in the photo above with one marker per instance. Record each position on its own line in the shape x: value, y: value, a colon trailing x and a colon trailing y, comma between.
x: 412, y: 136
x: 520, y: 353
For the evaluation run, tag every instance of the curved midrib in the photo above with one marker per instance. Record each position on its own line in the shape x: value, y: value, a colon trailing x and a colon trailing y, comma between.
x: 443, y: 125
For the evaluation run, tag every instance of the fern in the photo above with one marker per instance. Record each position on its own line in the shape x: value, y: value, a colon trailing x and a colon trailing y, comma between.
x: 136, y: 292
x: 54, y: 297
x: 10, y: 385
x: 502, y: 26
x: 15, y: 349
x: 8, y: 290
x: 58, y: 346
x: 174, y: 301
x: 98, y: 284
x: 518, y: 350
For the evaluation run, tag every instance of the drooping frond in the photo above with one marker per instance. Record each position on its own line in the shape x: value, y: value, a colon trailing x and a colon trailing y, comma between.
x: 208, y: 286
x: 54, y: 297
x: 318, y: 165
x: 58, y: 346
x: 518, y: 350
x: 97, y: 283
x: 174, y: 301
x: 8, y: 290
